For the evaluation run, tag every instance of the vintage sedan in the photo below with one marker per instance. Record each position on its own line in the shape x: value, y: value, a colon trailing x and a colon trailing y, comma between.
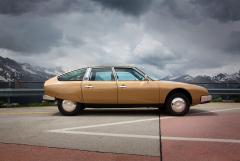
x: 121, y: 86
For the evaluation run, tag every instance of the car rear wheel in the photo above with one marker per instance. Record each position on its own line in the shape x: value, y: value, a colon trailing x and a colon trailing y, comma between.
x: 68, y: 107
x: 177, y: 104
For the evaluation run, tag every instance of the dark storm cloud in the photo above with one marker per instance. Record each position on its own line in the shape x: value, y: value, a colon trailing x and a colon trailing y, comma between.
x: 18, y: 7
x: 27, y: 35
x: 165, y: 35
x: 179, y: 9
x: 233, y: 45
x: 27, y: 26
x: 222, y: 10
x: 132, y: 7
x: 154, y: 59
x: 14, y: 7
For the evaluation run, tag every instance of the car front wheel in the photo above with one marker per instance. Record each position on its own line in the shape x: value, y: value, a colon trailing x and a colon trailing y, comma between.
x: 68, y: 107
x: 177, y: 104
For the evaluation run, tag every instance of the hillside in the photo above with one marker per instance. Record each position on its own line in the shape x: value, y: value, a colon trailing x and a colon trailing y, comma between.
x: 10, y: 70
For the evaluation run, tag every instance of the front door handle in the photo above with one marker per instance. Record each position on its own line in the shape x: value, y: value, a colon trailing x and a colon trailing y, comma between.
x: 88, y: 86
x: 122, y: 86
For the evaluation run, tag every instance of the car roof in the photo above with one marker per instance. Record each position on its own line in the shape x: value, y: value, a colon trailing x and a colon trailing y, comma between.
x: 110, y: 66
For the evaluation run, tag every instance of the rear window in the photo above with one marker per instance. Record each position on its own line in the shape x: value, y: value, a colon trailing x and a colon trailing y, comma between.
x: 76, y: 75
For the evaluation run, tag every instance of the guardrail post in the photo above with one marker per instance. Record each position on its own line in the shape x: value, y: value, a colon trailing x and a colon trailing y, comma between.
x: 9, y: 98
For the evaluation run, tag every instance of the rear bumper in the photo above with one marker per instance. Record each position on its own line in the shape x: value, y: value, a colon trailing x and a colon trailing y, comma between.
x: 206, y: 99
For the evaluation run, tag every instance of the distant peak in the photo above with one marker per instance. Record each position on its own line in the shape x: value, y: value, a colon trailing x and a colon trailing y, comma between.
x: 10, y: 70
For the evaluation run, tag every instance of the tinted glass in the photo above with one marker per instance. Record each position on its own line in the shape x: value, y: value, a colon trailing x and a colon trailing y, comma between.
x: 76, y: 75
x: 101, y: 74
x: 124, y: 74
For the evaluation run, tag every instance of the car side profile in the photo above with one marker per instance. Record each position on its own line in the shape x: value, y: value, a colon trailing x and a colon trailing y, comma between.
x: 121, y: 86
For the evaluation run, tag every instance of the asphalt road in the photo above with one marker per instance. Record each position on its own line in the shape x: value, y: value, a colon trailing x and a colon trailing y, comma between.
x: 209, y: 132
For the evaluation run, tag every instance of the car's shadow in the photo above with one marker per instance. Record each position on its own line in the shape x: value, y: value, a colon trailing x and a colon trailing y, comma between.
x: 117, y: 112
x: 136, y: 112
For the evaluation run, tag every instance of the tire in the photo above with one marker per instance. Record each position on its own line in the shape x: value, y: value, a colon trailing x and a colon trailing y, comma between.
x: 69, y: 108
x: 177, y: 104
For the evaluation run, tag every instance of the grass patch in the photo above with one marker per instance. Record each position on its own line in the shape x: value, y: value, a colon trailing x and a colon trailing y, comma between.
x: 38, y: 104
x: 237, y: 99
x: 217, y: 99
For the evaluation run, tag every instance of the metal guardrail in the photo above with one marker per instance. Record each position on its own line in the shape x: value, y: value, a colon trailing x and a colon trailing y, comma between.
x: 224, y: 91
x: 35, y: 88
x: 12, y: 92
x: 18, y: 91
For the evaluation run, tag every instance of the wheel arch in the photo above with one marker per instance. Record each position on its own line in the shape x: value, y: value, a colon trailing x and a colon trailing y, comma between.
x: 179, y: 90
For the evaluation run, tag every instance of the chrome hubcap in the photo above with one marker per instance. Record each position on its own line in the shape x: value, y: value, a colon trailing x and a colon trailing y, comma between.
x: 178, y: 104
x: 69, y: 106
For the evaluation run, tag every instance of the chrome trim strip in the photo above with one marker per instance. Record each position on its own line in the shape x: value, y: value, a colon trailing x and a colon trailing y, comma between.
x: 144, y: 74
x: 87, y: 73
x: 114, y: 74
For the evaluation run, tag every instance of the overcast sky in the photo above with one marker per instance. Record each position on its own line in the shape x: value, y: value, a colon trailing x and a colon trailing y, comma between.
x: 164, y: 37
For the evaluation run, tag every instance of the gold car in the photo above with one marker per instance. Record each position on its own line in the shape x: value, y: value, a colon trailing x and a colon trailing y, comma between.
x: 121, y: 86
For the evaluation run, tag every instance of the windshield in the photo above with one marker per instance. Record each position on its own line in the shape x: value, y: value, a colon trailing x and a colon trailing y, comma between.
x: 149, y: 76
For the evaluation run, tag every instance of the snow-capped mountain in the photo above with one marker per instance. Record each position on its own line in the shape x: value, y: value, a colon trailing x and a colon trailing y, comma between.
x: 219, y: 78
x: 10, y: 70
x: 182, y: 78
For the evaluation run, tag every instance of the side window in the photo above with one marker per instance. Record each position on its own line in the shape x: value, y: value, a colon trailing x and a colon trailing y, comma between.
x: 128, y: 74
x: 76, y: 75
x: 101, y: 74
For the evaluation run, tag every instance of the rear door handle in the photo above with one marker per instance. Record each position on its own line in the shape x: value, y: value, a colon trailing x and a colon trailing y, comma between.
x: 88, y: 86
x: 122, y: 86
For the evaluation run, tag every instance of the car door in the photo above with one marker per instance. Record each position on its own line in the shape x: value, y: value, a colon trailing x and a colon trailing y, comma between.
x: 133, y: 88
x: 101, y: 87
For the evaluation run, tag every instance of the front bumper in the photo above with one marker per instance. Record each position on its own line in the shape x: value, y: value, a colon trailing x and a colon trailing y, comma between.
x: 206, y: 99
x: 48, y: 98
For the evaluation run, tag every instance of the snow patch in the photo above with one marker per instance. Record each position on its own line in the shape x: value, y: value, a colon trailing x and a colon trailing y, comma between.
x: 10, y: 68
x: 24, y: 67
x: 3, y: 79
x: 188, y: 78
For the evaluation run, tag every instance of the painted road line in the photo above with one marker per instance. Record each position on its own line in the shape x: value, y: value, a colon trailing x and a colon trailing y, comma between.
x: 220, y: 110
x: 201, y: 139
x: 105, y: 124
x: 133, y: 121
x: 23, y: 113
x: 151, y: 137
x: 109, y: 134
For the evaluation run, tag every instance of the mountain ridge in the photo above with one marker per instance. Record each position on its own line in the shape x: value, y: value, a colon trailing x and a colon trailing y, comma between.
x: 11, y: 70
x: 219, y: 78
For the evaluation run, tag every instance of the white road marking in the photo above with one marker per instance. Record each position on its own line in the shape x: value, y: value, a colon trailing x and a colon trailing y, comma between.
x: 201, y: 139
x: 106, y: 124
x: 220, y: 110
x: 134, y: 121
x: 110, y: 134
x: 70, y: 130
x: 152, y: 137
x: 23, y: 113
